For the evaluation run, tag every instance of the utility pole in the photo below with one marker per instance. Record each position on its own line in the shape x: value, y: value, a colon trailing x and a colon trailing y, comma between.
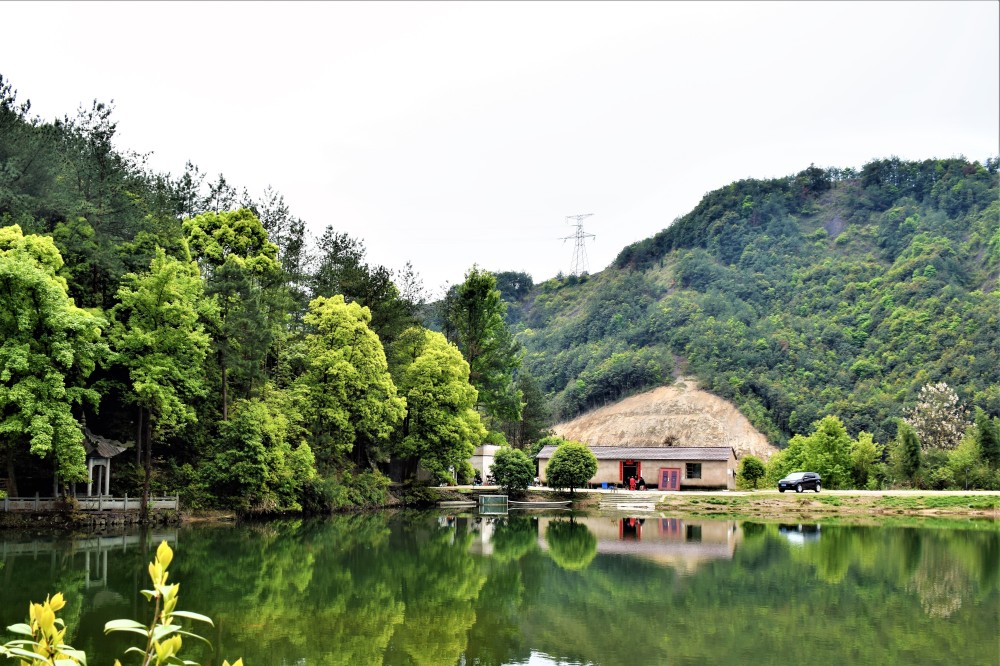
x: 579, y: 247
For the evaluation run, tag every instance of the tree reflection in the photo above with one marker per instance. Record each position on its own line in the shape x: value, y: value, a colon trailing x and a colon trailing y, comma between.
x: 572, y: 545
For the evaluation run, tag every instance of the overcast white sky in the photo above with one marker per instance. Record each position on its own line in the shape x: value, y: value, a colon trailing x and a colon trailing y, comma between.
x: 453, y: 133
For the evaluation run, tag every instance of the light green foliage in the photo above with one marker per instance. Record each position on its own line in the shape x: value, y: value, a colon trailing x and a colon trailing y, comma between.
x: 48, y: 349
x: 351, y: 402
x: 235, y: 238
x: 826, y: 451
x: 474, y: 321
x: 752, y: 470
x: 45, y: 637
x: 256, y: 466
x: 442, y: 426
x: 513, y: 470
x: 156, y: 334
x: 865, y: 454
x: 571, y: 466
x: 967, y: 467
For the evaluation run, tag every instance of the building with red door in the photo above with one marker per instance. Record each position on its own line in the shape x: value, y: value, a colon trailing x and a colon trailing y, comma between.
x: 665, y: 468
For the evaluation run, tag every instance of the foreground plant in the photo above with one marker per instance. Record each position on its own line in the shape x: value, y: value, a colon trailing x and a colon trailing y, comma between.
x: 45, y: 632
x: 44, y: 642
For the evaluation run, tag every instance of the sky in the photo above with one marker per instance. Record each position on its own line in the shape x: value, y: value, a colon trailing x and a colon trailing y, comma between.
x: 449, y: 134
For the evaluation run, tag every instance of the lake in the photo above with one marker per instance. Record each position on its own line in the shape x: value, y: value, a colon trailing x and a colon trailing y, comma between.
x: 423, y: 588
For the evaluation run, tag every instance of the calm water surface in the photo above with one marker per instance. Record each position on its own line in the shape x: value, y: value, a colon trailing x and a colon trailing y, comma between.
x: 421, y: 588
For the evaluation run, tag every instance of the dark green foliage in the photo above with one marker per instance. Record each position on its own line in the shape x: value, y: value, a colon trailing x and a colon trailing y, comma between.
x: 908, y: 451
x: 474, y: 322
x: 513, y: 470
x: 571, y: 466
x: 535, y: 414
x: 988, y: 434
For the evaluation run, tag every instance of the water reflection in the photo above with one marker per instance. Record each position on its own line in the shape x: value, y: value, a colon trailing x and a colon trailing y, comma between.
x: 426, y: 588
x: 680, y: 543
x: 800, y: 534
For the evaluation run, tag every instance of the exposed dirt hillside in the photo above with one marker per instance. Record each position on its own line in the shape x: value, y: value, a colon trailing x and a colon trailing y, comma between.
x: 678, y: 415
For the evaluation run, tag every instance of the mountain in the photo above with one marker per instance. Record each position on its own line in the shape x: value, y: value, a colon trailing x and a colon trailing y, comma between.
x: 833, y: 291
x: 675, y: 415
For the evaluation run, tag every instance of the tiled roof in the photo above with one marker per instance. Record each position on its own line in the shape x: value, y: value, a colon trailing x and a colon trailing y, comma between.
x: 105, y: 448
x: 653, y: 452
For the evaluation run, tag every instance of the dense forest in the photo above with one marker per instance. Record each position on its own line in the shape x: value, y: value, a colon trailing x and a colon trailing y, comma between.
x: 239, y: 358
x: 257, y: 366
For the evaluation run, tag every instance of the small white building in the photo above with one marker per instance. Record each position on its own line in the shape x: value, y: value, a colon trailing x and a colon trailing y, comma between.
x: 482, y: 458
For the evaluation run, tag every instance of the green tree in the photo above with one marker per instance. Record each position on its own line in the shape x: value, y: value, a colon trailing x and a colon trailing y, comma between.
x: 938, y: 417
x: 827, y: 450
x: 341, y: 269
x: 350, y: 399
x: 752, y: 470
x: 571, y: 466
x: 236, y: 258
x: 513, y: 470
x: 474, y: 321
x: 256, y: 466
x: 535, y: 414
x: 442, y: 427
x: 158, y: 337
x: 906, y: 451
x: 48, y: 349
x: 988, y: 436
x: 865, y: 454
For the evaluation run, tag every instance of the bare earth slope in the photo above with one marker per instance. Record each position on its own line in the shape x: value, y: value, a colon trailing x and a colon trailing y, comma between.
x: 678, y: 415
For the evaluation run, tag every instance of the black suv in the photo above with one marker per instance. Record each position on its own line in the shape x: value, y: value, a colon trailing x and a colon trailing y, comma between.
x: 799, y: 481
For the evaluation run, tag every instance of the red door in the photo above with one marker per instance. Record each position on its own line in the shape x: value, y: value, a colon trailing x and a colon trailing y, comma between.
x: 670, y: 478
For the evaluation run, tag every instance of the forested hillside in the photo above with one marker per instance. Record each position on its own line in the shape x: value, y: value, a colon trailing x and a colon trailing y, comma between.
x: 831, y: 292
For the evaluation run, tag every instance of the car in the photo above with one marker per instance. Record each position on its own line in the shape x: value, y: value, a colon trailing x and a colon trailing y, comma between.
x: 799, y: 481
x: 799, y: 534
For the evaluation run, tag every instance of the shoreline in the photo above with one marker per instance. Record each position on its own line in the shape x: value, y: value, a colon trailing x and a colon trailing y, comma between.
x: 770, y: 504
x: 856, y: 506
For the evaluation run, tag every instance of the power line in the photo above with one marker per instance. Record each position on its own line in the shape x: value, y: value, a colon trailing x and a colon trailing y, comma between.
x: 579, y: 246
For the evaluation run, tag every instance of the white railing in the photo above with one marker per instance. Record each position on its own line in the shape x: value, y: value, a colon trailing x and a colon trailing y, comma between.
x: 100, y: 503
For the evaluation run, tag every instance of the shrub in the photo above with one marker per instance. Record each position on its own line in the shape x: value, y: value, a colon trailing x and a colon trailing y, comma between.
x: 513, y: 470
x: 752, y: 470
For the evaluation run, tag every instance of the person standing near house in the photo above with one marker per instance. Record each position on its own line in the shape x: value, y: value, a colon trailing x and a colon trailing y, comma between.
x: 631, y: 482
x: 642, y: 483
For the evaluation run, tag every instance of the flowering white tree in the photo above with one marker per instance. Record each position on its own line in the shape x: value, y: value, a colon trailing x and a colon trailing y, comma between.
x: 938, y: 417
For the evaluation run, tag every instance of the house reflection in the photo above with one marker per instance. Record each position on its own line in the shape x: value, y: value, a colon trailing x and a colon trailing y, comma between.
x: 680, y: 543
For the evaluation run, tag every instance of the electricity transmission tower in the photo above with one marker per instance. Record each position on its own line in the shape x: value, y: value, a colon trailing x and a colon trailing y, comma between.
x: 579, y: 246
